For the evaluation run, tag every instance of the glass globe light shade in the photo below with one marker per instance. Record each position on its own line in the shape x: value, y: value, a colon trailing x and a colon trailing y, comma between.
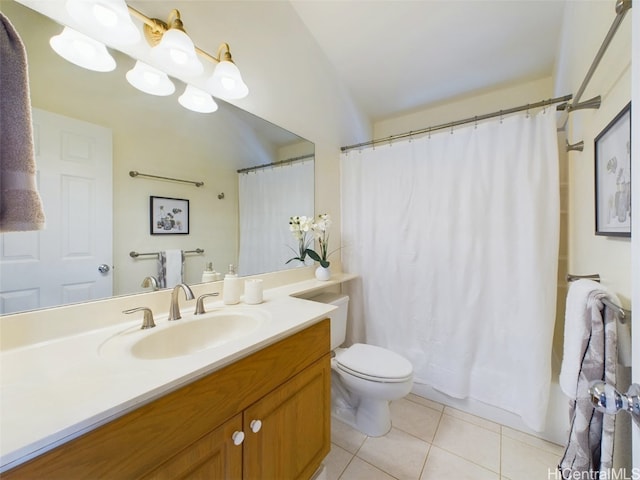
x: 83, y: 51
x: 108, y: 20
x: 176, y: 54
x: 150, y: 80
x: 226, y: 82
x: 197, y: 100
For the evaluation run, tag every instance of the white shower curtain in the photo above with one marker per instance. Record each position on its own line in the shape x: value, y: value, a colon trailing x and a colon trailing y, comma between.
x: 267, y: 198
x: 455, y: 237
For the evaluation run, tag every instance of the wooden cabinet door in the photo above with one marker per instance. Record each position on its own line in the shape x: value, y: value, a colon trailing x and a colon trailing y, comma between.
x: 294, y: 436
x: 214, y: 456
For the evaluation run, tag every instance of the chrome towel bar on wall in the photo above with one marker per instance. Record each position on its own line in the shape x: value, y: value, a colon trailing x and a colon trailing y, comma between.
x: 624, y: 315
x: 136, y: 254
x: 134, y: 173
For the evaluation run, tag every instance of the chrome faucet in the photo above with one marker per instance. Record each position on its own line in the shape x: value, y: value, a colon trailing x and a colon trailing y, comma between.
x: 150, y: 281
x: 174, y: 308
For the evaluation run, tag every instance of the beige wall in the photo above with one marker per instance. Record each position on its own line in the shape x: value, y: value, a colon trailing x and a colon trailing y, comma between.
x: 502, y: 97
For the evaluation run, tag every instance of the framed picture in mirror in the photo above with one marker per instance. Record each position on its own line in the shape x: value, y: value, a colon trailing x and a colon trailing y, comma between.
x: 169, y: 215
x: 613, y: 176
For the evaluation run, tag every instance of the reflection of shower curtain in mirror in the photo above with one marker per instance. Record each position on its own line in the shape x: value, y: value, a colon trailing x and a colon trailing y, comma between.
x: 268, y: 197
x: 456, y: 239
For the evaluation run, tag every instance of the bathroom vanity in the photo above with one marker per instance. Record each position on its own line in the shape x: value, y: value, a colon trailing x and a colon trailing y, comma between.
x: 277, y: 399
x: 253, y: 407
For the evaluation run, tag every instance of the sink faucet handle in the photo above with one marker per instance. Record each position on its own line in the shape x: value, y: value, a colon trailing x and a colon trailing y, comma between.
x: 200, y: 302
x: 147, y: 318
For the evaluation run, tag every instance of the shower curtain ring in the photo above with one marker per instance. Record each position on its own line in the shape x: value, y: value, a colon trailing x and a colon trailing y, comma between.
x: 475, y: 122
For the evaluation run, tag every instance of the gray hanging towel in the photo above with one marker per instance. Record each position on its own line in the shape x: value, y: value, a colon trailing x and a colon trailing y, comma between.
x: 20, y: 204
x: 590, y: 446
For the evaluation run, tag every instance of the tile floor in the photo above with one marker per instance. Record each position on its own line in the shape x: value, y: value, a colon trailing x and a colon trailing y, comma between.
x: 429, y: 441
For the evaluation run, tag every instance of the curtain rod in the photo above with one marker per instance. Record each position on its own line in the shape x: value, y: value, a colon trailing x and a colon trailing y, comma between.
x: 477, y: 118
x: 622, y: 7
x: 280, y: 162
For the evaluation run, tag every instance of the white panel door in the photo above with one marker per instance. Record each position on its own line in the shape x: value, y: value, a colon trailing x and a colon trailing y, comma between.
x: 60, y: 264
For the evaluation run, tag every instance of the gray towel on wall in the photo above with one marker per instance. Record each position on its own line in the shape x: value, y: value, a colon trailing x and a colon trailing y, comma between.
x: 590, y: 446
x: 20, y: 203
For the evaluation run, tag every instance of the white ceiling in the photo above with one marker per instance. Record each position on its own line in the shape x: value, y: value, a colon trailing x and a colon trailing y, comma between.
x: 400, y: 55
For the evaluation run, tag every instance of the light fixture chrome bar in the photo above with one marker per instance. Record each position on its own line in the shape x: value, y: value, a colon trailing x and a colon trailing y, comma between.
x: 274, y: 164
x: 135, y: 254
x: 575, y: 147
x: 500, y: 113
x: 134, y: 173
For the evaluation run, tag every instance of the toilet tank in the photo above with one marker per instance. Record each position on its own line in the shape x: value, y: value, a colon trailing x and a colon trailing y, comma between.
x: 338, y: 317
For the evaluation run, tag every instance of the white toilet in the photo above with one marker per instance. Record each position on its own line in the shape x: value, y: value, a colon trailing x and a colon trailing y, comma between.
x: 364, y: 378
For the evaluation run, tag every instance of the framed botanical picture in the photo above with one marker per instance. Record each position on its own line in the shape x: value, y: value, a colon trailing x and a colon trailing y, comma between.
x: 613, y: 177
x: 169, y: 215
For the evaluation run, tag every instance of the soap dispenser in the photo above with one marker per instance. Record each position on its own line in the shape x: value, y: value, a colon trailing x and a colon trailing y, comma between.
x: 231, y: 287
x: 209, y: 274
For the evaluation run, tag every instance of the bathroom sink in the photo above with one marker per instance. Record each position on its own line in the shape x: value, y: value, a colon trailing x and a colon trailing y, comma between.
x: 183, y: 337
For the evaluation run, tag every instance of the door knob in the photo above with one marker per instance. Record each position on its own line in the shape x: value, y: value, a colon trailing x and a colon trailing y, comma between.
x: 104, y: 268
x: 605, y: 398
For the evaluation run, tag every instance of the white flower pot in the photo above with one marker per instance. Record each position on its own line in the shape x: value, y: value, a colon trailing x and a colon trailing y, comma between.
x: 323, y: 273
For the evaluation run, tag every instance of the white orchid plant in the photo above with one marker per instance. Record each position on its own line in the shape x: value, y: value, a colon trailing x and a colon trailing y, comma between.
x: 302, y: 228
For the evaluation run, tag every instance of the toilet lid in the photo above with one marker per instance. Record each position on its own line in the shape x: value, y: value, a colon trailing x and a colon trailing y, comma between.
x: 374, y: 362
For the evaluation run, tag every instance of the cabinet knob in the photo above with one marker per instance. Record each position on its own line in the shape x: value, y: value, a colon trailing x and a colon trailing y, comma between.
x: 255, y: 425
x: 238, y: 438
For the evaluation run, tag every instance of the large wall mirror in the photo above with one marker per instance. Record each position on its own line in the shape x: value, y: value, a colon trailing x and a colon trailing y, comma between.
x: 90, y: 115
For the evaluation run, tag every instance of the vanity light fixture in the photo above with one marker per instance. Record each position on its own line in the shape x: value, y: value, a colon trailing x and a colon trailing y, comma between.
x: 172, y: 50
x: 197, y: 100
x: 226, y: 81
x: 108, y: 20
x: 83, y: 51
x: 171, y: 46
x: 150, y: 80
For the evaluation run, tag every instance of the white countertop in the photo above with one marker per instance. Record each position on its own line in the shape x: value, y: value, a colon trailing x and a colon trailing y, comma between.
x: 54, y: 391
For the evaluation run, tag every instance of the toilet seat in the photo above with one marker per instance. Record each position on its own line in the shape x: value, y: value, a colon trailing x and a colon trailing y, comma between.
x: 374, y: 363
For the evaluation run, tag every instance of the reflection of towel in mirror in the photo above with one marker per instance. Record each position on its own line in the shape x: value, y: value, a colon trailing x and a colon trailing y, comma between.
x: 170, y: 268
x: 20, y: 204
x: 590, y: 354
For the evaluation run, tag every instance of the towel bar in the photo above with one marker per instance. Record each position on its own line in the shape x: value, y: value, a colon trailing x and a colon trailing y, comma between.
x: 623, y: 313
x: 136, y: 254
x: 594, y: 276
